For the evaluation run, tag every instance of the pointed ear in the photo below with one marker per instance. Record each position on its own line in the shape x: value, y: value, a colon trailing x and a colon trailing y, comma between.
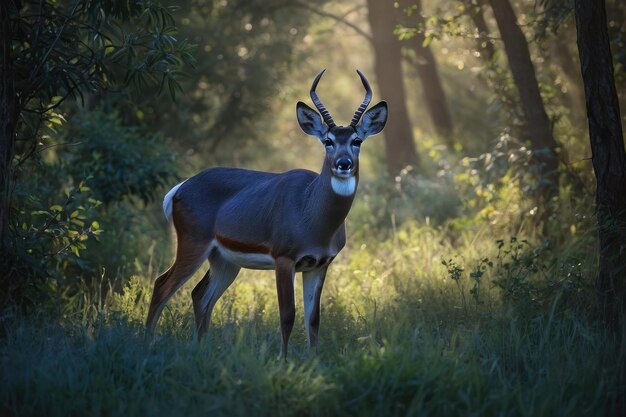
x: 310, y: 120
x: 373, y: 121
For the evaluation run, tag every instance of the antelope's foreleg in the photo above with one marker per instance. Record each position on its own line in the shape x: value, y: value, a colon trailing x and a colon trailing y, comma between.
x: 196, y: 296
x: 285, y: 272
x: 312, y: 283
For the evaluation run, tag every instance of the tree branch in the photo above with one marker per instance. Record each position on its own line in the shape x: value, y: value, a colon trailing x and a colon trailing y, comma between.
x: 56, y: 39
x: 339, y: 19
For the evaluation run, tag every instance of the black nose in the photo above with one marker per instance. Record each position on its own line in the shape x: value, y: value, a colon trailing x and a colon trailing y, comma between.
x: 343, y: 164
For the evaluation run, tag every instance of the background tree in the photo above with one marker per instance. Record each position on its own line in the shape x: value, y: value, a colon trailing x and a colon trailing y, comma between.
x: 426, y: 64
x: 475, y: 10
x: 538, y: 126
x: 399, y: 146
x: 609, y: 158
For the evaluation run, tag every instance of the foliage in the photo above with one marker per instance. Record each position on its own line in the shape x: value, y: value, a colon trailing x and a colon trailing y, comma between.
x: 67, y: 49
x: 241, y: 65
x: 528, y: 285
x: 128, y: 167
x: 51, y: 231
x: 64, y: 50
x: 555, y: 13
x: 61, y: 215
x: 62, y: 228
x: 53, y: 51
x: 492, y: 186
x: 122, y: 161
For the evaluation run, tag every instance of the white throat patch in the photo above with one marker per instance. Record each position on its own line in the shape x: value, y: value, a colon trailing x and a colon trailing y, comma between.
x: 343, y: 186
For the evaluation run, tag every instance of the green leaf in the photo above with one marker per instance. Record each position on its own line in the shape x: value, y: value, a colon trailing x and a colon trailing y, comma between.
x: 77, y: 222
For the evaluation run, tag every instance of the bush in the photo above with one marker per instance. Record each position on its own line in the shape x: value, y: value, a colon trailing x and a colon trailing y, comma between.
x: 91, y: 181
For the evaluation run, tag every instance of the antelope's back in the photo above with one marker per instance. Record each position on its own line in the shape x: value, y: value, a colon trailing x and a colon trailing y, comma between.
x: 230, y: 190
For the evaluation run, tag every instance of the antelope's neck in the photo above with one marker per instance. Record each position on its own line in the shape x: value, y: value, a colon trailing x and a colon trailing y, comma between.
x: 331, y: 198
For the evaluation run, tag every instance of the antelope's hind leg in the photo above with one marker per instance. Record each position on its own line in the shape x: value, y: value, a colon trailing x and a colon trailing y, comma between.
x: 218, y: 278
x: 189, y: 257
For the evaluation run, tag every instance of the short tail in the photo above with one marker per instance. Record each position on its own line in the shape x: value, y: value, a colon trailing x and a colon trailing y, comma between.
x: 168, y: 202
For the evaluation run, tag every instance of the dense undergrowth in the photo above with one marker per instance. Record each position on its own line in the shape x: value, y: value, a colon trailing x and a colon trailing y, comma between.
x: 431, y: 320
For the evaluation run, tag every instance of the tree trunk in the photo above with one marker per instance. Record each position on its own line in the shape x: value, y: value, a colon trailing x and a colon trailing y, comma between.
x: 609, y: 157
x: 434, y: 96
x: 8, y: 124
x: 399, y: 143
x: 538, y: 127
x: 616, y: 20
x: 476, y: 13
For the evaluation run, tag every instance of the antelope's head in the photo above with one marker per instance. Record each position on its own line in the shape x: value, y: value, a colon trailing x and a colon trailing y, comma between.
x: 342, y: 143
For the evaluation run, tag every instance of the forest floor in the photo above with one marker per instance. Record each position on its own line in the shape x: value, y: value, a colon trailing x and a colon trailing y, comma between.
x: 401, y: 334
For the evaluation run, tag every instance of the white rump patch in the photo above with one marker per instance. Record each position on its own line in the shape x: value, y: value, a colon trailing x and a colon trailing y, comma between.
x: 168, y: 201
x: 343, y: 186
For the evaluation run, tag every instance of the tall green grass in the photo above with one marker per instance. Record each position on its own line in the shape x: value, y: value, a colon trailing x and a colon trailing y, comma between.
x: 395, y: 363
x: 401, y: 334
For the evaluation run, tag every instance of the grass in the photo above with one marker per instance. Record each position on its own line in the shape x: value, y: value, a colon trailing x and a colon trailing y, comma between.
x: 565, y: 366
x: 401, y: 334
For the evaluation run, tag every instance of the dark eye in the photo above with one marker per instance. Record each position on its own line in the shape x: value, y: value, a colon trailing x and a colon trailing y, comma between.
x: 328, y: 143
x: 357, y: 142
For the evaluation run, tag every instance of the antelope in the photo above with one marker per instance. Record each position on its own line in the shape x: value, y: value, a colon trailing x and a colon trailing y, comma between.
x: 289, y: 222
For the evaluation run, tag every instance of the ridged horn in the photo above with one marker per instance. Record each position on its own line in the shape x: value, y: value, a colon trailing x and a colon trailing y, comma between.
x: 366, y: 101
x: 318, y: 103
